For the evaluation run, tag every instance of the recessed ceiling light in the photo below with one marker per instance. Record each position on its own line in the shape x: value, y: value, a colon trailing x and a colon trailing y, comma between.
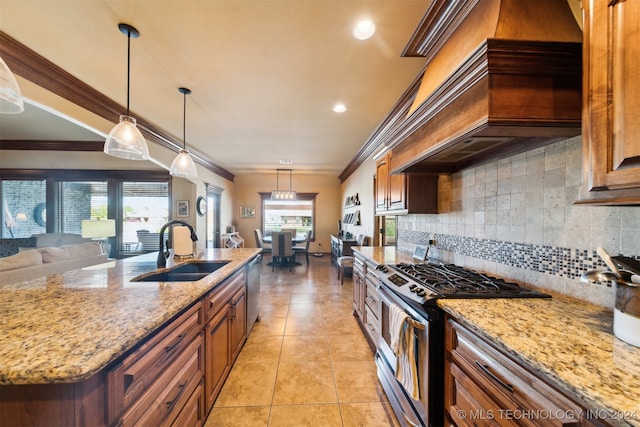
x: 286, y: 162
x: 364, y: 29
x: 339, y: 108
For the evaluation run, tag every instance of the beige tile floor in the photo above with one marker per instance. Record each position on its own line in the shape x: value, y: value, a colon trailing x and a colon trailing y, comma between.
x: 306, y: 363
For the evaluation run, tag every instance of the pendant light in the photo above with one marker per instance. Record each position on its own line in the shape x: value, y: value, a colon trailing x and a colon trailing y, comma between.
x: 126, y: 140
x: 10, y: 96
x: 183, y: 165
x: 278, y: 194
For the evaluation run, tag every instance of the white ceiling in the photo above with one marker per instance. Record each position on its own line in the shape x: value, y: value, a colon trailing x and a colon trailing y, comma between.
x: 264, y: 74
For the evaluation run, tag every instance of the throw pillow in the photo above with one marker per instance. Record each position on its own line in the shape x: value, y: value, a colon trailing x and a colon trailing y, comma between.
x: 83, y: 250
x: 19, y: 260
x: 53, y: 254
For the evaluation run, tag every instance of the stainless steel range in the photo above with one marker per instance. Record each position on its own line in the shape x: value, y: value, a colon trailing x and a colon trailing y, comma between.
x: 414, y: 288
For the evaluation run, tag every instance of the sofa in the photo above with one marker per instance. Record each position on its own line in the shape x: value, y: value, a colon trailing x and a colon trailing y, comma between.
x: 50, y: 253
x: 13, y: 246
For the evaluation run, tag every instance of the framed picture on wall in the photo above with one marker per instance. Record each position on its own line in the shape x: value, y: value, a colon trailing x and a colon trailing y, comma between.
x: 247, y: 211
x: 182, y: 208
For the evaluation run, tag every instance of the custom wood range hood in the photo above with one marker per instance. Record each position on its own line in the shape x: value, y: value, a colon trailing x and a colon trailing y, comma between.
x: 501, y: 77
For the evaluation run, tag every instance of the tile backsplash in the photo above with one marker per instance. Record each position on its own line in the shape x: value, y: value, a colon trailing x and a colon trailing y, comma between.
x: 516, y: 218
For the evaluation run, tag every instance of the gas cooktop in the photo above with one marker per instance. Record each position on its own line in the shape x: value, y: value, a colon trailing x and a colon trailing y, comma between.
x: 430, y: 281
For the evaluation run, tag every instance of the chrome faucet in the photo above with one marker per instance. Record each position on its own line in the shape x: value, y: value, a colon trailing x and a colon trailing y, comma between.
x: 162, y: 255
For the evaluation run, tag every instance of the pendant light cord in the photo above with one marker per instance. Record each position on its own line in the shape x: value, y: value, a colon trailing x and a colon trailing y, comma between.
x: 184, y: 121
x: 128, y: 66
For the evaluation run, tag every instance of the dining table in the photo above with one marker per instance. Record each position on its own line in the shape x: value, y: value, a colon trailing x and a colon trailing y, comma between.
x: 298, y: 238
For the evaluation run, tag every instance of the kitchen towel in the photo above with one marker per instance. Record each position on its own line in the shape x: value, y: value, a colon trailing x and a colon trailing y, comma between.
x: 403, y: 345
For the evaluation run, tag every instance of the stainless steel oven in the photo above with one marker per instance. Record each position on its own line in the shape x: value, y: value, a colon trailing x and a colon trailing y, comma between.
x: 428, y: 409
x: 415, y: 288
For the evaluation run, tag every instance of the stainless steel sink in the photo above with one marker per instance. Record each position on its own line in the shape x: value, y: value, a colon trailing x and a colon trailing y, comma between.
x: 189, y: 272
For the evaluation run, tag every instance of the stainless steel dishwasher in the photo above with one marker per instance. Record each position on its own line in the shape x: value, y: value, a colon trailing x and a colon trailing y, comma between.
x: 253, y: 291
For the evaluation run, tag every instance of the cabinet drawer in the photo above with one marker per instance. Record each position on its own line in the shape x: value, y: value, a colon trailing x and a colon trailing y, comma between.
x: 464, y: 396
x: 167, y: 397
x: 372, y: 300
x: 218, y: 297
x: 193, y: 413
x: 511, y: 386
x: 137, y: 372
x: 371, y: 324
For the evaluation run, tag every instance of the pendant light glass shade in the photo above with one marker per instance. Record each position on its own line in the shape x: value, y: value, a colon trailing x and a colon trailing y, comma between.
x: 125, y: 140
x: 183, y: 165
x: 10, y: 96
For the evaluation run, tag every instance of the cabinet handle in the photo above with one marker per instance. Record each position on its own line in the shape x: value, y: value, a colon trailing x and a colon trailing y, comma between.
x: 170, y: 348
x: 486, y: 370
x: 175, y: 399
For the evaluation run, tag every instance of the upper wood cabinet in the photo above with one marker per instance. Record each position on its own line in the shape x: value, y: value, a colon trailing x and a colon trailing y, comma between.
x: 611, y: 103
x: 404, y: 193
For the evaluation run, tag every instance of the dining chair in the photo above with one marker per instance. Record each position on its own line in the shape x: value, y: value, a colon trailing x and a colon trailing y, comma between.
x: 293, y: 231
x: 304, y: 249
x: 266, y: 248
x: 282, y: 249
x: 345, y: 262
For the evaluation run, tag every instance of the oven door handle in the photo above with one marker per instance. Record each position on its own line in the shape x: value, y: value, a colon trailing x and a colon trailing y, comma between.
x: 383, y: 293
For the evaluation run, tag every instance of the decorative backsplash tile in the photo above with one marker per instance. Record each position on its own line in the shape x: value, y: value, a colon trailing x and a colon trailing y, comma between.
x: 563, y: 262
x: 517, y: 217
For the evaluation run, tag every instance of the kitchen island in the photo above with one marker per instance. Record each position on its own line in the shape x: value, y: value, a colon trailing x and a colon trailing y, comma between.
x: 566, y: 343
x: 71, y: 328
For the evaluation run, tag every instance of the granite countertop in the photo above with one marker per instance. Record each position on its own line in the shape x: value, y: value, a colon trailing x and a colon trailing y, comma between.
x: 67, y: 327
x: 568, y: 342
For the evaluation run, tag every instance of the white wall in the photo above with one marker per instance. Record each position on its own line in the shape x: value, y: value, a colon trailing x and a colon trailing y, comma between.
x: 361, y: 182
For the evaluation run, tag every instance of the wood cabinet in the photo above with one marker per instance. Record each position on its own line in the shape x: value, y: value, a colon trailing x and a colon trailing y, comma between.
x: 359, y: 285
x: 170, y: 378
x: 397, y: 194
x: 372, y: 306
x: 366, y: 302
x: 611, y: 102
x: 225, y: 332
x: 238, y: 322
x: 152, y: 385
x: 483, y: 386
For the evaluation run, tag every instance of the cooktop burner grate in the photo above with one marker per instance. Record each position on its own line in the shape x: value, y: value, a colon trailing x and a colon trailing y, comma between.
x: 453, y: 281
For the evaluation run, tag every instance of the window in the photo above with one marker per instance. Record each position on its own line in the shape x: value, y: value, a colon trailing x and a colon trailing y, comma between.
x: 56, y: 201
x: 23, y: 207
x: 298, y: 214
x: 79, y: 200
x: 145, y: 209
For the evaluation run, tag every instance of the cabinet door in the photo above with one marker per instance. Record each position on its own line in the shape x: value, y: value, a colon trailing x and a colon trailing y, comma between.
x: 358, y: 288
x: 397, y: 196
x: 238, y: 320
x: 382, y: 184
x: 611, y: 128
x: 217, y: 354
